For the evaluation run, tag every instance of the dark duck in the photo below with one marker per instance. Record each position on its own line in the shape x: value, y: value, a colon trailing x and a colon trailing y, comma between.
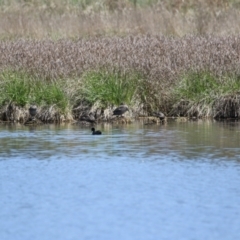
x: 119, y: 111
x: 94, y: 132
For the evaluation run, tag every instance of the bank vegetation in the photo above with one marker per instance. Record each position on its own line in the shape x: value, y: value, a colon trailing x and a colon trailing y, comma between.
x: 131, y: 52
x: 57, y: 19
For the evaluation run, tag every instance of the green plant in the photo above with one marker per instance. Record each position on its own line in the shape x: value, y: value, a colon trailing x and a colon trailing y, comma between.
x: 196, y: 86
x: 49, y: 94
x: 230, y: 83
x: 198, y: 93
x: 22, y: 88
x: 110, y: 87
x: 15, y: 87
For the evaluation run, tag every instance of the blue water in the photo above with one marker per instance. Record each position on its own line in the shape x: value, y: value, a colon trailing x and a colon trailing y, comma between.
x: 174, y: 181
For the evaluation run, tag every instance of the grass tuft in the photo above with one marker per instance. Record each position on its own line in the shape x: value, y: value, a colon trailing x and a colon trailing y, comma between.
x: 196, y: 86
x: 110, y: 87
x: 22, y: 89
x: 51, y: 94
x: 15, y: 87
x: 198, y: 93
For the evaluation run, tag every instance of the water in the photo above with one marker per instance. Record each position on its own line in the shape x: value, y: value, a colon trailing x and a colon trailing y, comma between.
x: 174, y: 181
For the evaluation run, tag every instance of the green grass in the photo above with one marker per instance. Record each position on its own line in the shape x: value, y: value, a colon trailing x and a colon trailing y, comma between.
x: 110, y: 87
x: 202, y: 91
x: 15, y: 87
x: 230, y: 83
x: 23, y: 89
x: 199, y: 91
x: 50, y: 94
x: 195, y: 86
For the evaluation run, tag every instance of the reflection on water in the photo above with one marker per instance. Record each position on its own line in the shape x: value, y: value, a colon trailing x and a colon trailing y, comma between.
x: 206, y: 139
x: 173, y: 181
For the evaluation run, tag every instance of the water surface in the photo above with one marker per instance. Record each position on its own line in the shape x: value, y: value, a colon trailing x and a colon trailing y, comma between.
x: 173, y: 181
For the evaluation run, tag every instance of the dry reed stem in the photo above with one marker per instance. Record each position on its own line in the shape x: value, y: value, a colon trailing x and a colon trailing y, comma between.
x: 58, y: 19
x: 161, y: 60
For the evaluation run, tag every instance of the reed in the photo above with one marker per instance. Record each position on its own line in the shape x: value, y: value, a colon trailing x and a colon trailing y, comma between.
x: 163, y: 70
x: 57, y: 19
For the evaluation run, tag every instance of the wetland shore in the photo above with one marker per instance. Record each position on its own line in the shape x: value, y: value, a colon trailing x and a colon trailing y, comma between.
x: 182, y: 73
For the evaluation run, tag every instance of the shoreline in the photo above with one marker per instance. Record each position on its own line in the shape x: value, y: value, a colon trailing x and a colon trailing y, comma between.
x: 192, y: 76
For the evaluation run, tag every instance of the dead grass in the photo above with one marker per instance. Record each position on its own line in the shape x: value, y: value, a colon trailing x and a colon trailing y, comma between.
x: 161, y: 61
x: 63, y: 40
x: 57, y: 19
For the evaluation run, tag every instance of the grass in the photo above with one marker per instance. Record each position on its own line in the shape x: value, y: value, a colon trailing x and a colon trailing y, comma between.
x: 196, y: 86
x: 110, y: 87
x: 140, y: 52
x: 14, y: 88
x: 152, y: 71
x: 23, y: 89
x: 198, y: 93
x: 57, y: 19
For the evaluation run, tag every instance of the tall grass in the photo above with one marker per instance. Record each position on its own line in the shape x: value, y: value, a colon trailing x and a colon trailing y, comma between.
x: 144, y: 68
x: 14, y: 88
x: 57, y: 19
x: 110, y: 87
x: 113, y: 51
x: 201, y: 93
x: 195, y: 86
x: 23, y: 89
x: 159, y: 59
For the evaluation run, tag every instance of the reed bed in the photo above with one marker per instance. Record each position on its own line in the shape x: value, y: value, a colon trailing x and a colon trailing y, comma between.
x: 57, y: 19
x: 71, y: 57
x: 158, y: 58
x: 180, y: 76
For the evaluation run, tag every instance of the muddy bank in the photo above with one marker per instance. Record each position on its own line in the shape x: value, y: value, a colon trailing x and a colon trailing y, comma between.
x: 227, y: 107
x: 83, y: 114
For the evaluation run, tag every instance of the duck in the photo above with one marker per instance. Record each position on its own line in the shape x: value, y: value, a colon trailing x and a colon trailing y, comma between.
x: 160, y: 115
x: 119, y: 111
x: 96, y: 132
x: 32, y: 111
